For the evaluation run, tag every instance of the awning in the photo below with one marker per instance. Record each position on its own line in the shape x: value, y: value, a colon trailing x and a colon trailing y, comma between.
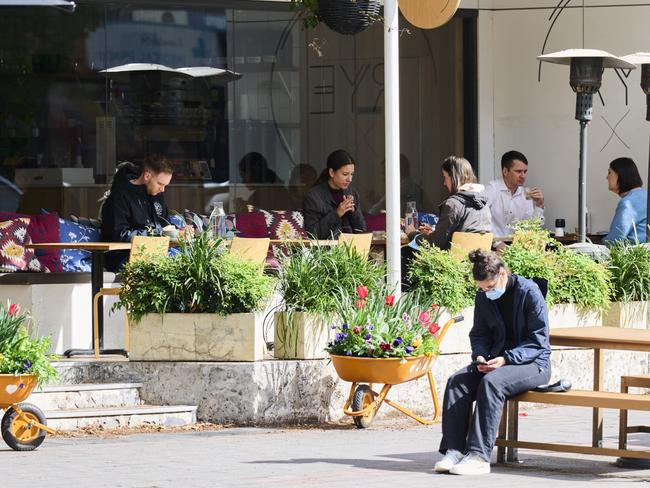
x: 215, y: 74
x: 63, y: 4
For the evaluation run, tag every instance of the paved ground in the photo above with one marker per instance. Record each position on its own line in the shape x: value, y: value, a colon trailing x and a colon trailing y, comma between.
x: 390, y: 453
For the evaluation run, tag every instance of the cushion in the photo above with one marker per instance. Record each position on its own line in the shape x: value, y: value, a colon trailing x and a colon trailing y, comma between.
x: 13, y: 254
x: 177, y: 220
x: 76, y: 260
x: 251, y: 224
x: 284, y: 224
x: 427, y: 218
x: 375, y: 222
x: 42, y: 228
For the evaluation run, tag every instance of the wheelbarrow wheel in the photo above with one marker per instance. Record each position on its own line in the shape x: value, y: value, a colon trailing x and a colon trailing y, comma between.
x: 363, y: 396
x: 20, y: 434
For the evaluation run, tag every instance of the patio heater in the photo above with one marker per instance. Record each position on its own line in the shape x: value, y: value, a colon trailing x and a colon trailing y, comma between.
x: 643, y: 60
x: 585, y: 79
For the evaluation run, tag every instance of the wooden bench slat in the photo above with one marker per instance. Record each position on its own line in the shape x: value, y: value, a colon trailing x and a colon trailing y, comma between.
x: 587, y: 398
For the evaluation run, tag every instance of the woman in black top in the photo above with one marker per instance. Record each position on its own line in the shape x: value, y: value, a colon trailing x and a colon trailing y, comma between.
x: 331, y: 207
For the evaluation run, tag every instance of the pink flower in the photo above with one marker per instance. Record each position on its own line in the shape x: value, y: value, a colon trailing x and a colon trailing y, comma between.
x: 425, y: 319
x: 362, y: 291
x: 390, y: 300
x: 356, y: 330
x: 14, y: 309
x: 361, y: 304
x: 433, y: 328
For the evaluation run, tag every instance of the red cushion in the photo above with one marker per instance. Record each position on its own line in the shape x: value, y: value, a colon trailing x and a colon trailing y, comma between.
x: 284, y: 224
x: 375, y: 222
x: 251, y: 224
x: 42, y: 228
x: 13, y: 255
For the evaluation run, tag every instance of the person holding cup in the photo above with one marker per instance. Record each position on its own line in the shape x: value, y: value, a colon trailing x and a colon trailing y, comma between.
x: 508, y: 198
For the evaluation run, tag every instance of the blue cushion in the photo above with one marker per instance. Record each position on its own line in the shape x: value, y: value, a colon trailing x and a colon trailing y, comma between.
x: 177, y: 220
x: 75, y: 260
x: 427, y: 218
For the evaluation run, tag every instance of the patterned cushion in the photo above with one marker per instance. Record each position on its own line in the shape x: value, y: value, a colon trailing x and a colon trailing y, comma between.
x: 284, y: 224
x: 42, y: 228
x: 75, y: 260
x: 251, y: 224
x: 13, y: 255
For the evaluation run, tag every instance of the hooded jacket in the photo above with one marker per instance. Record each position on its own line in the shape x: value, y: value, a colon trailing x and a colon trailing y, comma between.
x: 130, y: 211
x: 530, y: 324
x: 464, y: 211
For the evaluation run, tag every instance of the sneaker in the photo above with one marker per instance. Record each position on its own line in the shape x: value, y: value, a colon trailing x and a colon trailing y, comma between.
x: 471, y: 464
x: 452, y: 458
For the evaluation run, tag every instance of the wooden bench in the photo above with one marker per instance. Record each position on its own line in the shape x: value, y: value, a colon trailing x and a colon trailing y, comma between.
x: 635, y: 381
x: 508, y: 441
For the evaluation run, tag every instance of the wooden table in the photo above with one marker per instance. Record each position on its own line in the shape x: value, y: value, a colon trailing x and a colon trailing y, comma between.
x: 600, y: 338
x: 97, y: 250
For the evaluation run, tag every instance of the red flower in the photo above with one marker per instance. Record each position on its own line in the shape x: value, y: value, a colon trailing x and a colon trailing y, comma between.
x: 425, y: 319
x: 390, y: 300
x: 434, y: 307
x: 14, y: 309
x: 361, y: 304
x: 356, y: 330
x: 385, y: 346
x: 362, y: 291
x: 433, y: 328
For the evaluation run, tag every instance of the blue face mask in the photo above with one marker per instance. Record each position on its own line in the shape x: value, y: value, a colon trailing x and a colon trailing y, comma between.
x: 495, y: 293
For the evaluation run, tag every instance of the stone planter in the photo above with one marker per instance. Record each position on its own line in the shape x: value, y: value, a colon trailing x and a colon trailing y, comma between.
x: 198, y: 337
x: 305, y: 337
x: 567, y: 315
x: 631, y: 315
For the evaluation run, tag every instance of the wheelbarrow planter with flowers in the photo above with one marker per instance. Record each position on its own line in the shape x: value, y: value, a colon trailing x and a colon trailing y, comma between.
x: 23, y: 365
x: 386, y: 341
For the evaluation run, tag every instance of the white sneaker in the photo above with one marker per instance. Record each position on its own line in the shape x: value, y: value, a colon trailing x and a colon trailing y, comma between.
x: 471, y: 464
x: 452, y: 458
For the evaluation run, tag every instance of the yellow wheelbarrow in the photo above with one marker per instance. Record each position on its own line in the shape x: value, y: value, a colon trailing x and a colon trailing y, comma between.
x: 23, y: 425
x: 363, y: 402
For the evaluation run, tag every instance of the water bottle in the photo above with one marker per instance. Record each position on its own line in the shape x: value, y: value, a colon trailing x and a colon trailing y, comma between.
x: 411, y: 217
x: 218, y: 220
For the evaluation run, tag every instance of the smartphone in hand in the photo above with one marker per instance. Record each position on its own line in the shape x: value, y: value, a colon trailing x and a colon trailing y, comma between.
x: 477, y: 362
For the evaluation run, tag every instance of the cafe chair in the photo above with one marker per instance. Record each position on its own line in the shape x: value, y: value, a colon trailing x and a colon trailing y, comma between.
x: 360, y: 242
x: 462, y: 243
x: 142, y: 249
x: 250, y: 249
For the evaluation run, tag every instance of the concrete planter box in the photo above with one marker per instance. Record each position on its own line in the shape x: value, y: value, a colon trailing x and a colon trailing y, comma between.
x: 567, y: 315
x: 457, y: 338
x: 632, y: 315
x: 198, y: 337
x: 304, y: 338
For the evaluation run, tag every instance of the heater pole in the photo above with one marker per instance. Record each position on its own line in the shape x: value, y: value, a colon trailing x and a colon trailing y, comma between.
x: 582, y: 188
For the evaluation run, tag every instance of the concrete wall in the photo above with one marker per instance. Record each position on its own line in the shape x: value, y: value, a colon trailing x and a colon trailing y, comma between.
x: 537, y: 117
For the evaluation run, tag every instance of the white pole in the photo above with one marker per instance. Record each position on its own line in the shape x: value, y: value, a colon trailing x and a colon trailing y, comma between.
x: 391, y: 113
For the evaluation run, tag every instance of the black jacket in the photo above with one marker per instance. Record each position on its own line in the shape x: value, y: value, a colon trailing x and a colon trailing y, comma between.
x: 321, y: 219
x: 464, y: 211
x: 130, y: 211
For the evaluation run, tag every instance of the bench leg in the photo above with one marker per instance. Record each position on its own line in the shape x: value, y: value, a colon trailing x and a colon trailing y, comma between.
x: 622, y: 421
x: 597, y: 438
x: 503, y: 430
x: 513, y: 430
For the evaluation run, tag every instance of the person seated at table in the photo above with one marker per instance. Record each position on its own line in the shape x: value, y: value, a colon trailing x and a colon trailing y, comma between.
x: 510, y: 355
x: 465, y: 210
x: 507, y: 198
x: 136, y: 205
x: 630, y: 220
x: 331, y: 206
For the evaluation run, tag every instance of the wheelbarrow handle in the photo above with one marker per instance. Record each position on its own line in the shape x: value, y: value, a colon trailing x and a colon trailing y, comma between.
x: 450, y: 322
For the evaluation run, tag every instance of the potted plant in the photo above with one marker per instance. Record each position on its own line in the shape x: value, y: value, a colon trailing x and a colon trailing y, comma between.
x: 199, y: 305
x: 629, y: 265
x: 343, y: 16
x: 310, y: 281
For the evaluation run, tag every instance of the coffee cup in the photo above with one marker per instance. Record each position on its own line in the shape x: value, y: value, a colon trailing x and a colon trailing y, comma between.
x: 171, y: 233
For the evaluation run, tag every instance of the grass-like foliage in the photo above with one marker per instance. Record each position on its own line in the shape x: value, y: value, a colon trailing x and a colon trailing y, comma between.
x: 629, y: 266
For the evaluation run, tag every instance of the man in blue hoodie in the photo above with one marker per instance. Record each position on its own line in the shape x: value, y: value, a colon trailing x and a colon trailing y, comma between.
x: 136, y: 205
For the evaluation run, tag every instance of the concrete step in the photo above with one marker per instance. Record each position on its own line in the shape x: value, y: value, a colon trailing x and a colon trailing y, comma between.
x: 125, y: 416
x: 87, y: 395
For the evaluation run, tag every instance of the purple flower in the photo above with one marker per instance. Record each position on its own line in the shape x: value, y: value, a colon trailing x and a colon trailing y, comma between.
x: 370, y: 327
x: 345, y: 327
x: 406, y: 318
x: 397, y: 341
x: 348, y: 352
x: 27, y: 364
x: 340, y: 337
x: 367, y: 337
x: 333, y: 326
x: 408, y: 349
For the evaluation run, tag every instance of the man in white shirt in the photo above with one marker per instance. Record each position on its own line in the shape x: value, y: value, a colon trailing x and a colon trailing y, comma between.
x: 508, y: 199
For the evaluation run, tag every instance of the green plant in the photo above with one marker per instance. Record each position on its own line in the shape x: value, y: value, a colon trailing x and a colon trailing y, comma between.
x: 307, y: 11
x: 375, y: 324
x: 629, y: 266
x: 442, y: 279
x: 202, y: 278
x: 311, y: 278
x: 20, y: 353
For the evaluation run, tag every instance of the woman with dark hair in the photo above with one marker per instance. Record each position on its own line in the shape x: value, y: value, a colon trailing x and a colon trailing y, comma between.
x: 630, y: 220
x: 510, y: 355
x: 465, y: 210
x: 332, y: 206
